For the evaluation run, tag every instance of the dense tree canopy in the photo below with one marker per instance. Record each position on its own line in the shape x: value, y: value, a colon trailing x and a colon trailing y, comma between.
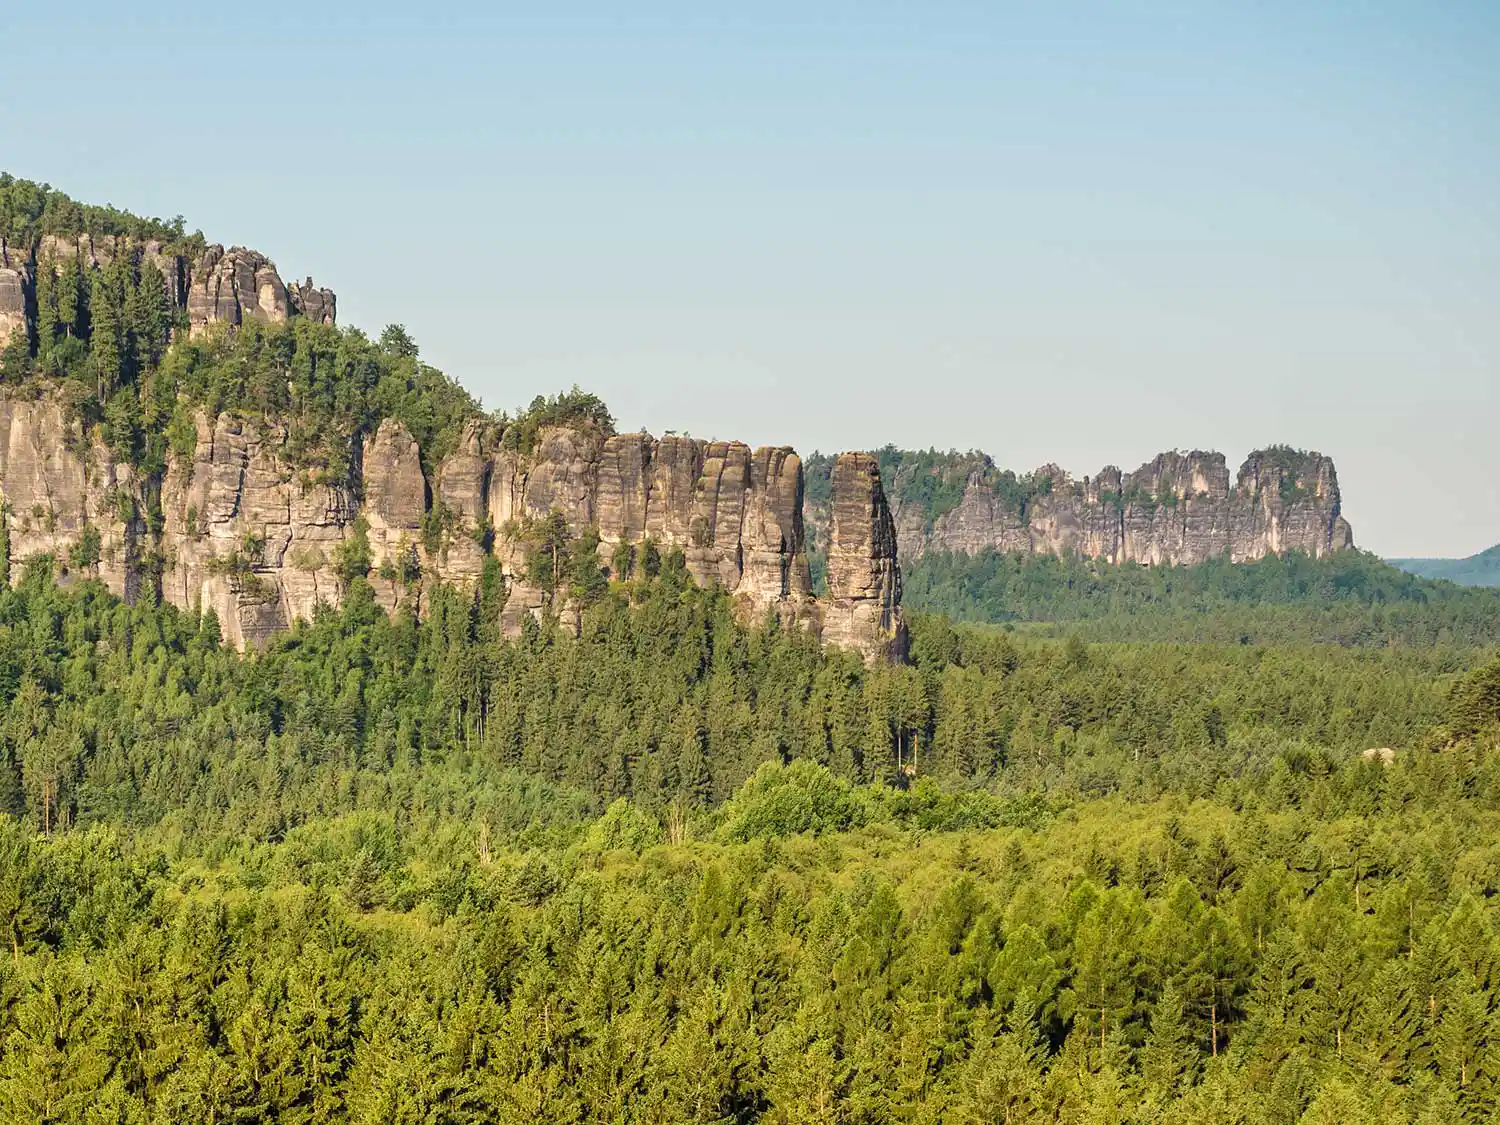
x: 29, y: 210
x: 1349, y: 598
x: 678, y: 869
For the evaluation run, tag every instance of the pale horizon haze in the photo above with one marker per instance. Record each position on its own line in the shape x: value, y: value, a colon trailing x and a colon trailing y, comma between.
x: 1077, y: 233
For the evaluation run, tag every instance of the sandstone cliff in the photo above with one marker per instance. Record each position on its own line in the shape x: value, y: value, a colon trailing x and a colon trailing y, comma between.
x: 217, y: 286
x: 864, y: 581
x: 237, y: 519
x: 1179, y: 508
x: 245, y: 534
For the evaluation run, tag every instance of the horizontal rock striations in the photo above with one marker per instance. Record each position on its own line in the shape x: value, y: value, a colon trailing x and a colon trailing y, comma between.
x: 1177, y: 509
x: 244, y: 533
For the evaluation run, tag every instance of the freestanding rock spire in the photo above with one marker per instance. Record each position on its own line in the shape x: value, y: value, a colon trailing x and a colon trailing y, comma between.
x: 863, y: 610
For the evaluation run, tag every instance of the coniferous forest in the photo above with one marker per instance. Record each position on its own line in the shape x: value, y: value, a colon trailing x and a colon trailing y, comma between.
x: 1214, y: 845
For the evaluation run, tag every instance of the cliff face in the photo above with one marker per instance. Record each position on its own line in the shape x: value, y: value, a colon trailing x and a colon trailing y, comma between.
x: 864, y: 580
x: 218, y: 286
x: 243, y: 533
x: 1179, y: 508
x: 232, y: 286
x: 238, y: 528
x: 15, y: 286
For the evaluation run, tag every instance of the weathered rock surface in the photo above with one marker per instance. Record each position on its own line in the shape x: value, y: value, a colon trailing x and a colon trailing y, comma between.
x: 735, y: 512
x: 219, y: 286
x: 54, y: 488
x: 1178, y: 508
x: 15, y: 283
x: 246, y: 534
x: 318, y: 305
x: 234, y: 286
x: 863, y: 607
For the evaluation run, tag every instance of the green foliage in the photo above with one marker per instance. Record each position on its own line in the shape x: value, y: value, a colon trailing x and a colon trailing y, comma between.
x: 1347, y: 598
x: 352, y: 558
x: 29, y: 210
x: 674, y: 868
x: 932, y: 482
x: 575, y: 408
x: 1482, y: 569
x: 1476, y: 700
x: 85, y: 552
x: 929, y: 481
x: 103, y: 345
x: 786, y: 800
x: 548, y: 557
x: 668, y: 870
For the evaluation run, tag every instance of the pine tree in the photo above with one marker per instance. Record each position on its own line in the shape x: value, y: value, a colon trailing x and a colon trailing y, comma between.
x: 147, y: 316
x: 1169, y: 1059
x: 72, y: 299
x: 106, y: 342
x: 46, y: 310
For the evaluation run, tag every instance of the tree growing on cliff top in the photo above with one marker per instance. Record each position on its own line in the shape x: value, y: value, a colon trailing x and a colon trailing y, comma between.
x: 576, y: 408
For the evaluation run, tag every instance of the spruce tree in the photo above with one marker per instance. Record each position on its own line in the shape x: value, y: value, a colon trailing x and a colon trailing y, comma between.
x: 106, y: 351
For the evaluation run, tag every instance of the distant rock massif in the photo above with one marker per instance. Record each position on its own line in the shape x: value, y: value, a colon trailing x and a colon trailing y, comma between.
x: 1178, y: 509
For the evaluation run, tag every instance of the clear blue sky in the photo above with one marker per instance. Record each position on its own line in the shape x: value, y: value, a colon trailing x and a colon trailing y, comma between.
x: 1056, y: 232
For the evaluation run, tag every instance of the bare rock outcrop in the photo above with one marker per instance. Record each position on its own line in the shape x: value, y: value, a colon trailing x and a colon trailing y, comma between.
x: 249, y: 531
x: 15, y: 284
x: 1177, y: 509
x: 54, y: 488
x: 863, y: 607
x: 736, y: 513
x: 232, y: 286
x: 248, y: 534
x: 217, y: 287
x: 317, y: 305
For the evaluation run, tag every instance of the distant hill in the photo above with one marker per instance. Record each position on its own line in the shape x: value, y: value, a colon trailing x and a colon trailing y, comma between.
x: 1347, y: 598
x: 1482, y: 569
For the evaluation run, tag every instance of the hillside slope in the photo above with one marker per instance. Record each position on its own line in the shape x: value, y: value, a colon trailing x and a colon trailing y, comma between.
x: 1482, y: 569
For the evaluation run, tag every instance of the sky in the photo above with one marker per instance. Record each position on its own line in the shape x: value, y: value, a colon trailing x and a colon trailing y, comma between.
x: 1071, y: 233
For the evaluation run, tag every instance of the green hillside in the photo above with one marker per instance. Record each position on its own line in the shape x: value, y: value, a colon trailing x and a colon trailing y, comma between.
x: 1482, y: 569
x: 1349, y: 598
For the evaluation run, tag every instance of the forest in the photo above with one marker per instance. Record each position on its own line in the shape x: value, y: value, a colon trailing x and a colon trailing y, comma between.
x: 681, y: 868
x: 1482, y: 569
x: 1350, y: 598
x: 1118, y: 844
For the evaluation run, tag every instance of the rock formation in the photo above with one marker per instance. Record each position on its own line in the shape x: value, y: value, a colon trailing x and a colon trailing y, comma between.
x: 15, y: 286
x: 736, y: 514
x: 246, y: 534
x: 218, y: 286
x: 863, y: 607
x: 1178, y: 508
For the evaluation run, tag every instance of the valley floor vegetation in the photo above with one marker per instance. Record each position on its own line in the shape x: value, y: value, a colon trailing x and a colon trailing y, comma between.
x: 678, y: 869
x: 1349, y: 598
